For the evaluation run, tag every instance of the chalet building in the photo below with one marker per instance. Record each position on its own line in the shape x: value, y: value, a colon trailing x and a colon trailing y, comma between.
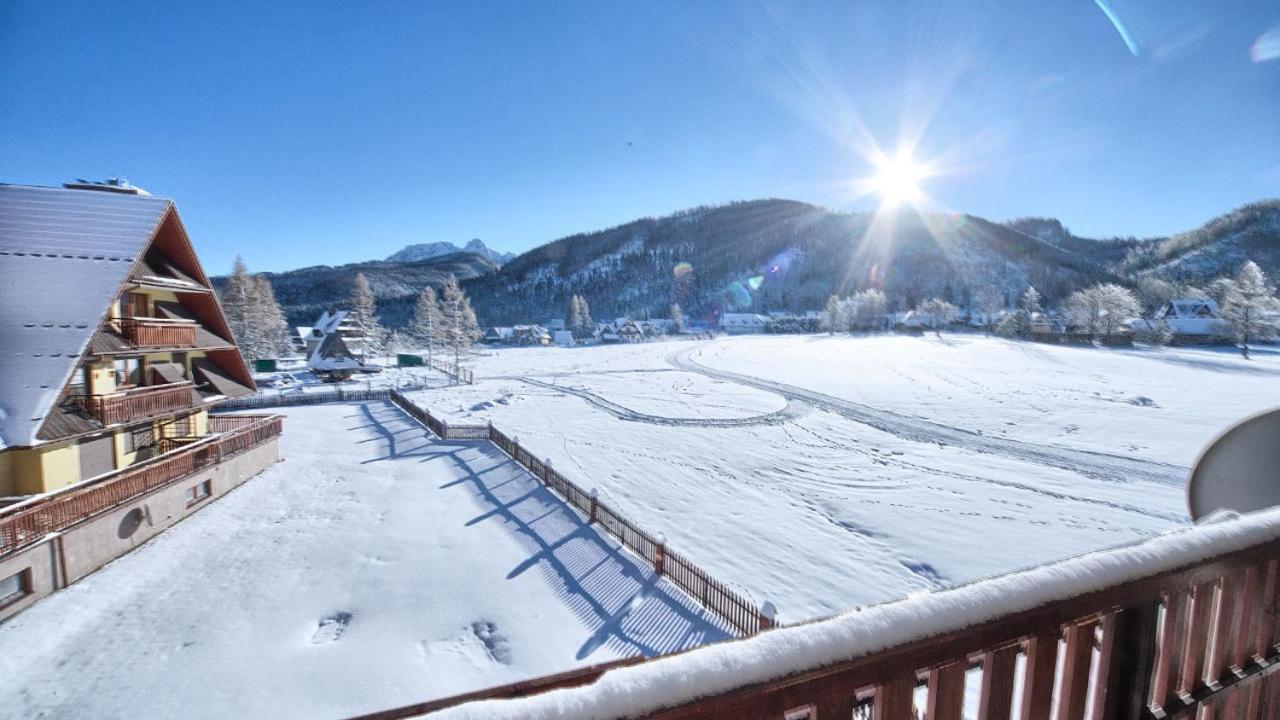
x: 743, y: 323
x: 1191, y: 321
x: 114, y: 350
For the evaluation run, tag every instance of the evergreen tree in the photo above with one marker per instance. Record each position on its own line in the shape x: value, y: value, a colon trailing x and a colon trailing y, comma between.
x: 1251, y: 307
x: 425, y: 328
x: 574, y: 317
x: 362, y: 315
x: 1030, y: 301
x: 677, y: 319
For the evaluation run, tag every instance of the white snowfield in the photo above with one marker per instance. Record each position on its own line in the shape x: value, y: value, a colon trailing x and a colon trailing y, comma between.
x: 374, y: 567
x: 648, y: 687
x: 824, y: 472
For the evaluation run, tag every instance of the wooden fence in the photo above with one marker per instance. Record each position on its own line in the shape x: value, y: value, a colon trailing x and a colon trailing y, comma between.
x: 1147, y: 636
x: 460, y: 375
x: 25, y: 523
x: 740, y: 612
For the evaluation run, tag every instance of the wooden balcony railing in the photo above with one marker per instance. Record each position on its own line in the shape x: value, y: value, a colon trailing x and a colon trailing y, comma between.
x: 1180, y: 626
x: 137, y: 403
x: 28, y: 521
x: 159, y: 332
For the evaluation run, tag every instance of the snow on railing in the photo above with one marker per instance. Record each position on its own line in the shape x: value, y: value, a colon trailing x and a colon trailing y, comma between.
x: 1182, y: 623
x: 741, y: 613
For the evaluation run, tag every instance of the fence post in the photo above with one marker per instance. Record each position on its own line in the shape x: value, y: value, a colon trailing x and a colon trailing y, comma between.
x: 660, y: 553
x: 546, y: 471
x: 768, y: 615
x: 595, y: 500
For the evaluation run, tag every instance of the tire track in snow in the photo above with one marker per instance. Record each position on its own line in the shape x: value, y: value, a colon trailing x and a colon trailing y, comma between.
x: 1101, y: 466
x: 794, y: 409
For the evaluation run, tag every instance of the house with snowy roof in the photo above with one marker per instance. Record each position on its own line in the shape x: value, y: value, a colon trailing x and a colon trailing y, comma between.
x: 115, y: 350
x: 743, y: 323
x: 1191, y: 320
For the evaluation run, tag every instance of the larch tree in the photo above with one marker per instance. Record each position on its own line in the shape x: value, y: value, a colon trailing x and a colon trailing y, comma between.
x: 425, y: 328
x: 677, y: 319
x: 989, y: 301
x: 362, y: 313
x: 937, y: 313
x: 235, y: 302
x: 1251, y: 308
x: 573, y: 318
x: 459, y: 329
x: 868, y: 309
x: 1030, y: 301
x: 1100, y: 310
x: 272, y: 330
x: 585, y: 325
x: 833, y: 312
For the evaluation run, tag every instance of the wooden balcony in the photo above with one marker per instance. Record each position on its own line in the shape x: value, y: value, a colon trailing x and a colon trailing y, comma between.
x: 159, y: 332
x: 138, y: 403
x: 1184, y: 625
x: 29, y: 521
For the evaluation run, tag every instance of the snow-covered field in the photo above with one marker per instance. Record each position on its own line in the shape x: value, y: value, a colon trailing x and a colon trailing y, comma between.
x: 826, y: 472
x: 374, y: 567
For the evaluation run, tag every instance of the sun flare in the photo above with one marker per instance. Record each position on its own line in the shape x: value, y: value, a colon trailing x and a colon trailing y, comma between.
x: 897, y: 179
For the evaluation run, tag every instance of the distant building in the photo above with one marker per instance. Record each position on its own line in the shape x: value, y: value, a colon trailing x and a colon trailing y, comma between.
x: 1195, y: 321
x: 743, y: 323
x: 563, y: 338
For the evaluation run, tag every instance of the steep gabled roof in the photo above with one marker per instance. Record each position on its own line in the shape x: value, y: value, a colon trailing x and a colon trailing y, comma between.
x: 64, y: 256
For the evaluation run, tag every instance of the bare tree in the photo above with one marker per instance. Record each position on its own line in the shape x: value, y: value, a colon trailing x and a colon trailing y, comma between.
x: 363, y: 315
x: 425, y: 326
x: 834, y: 313
x: 936, y: 313
x: 1100, y: 310
x: 271, y: 328
x: 869, y: 308
x: 1251, y: 307
x: 677, y: 319
x: 989, y: 301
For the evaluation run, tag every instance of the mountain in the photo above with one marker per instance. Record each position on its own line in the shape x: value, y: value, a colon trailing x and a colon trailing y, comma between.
x: 764, y: 255
x: 775, y: 254
x: 306, y: 292
x: 427, y: 251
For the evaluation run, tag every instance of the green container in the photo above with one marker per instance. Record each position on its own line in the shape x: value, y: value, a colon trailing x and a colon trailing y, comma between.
x: 405, y: 360
x: 264, y: 366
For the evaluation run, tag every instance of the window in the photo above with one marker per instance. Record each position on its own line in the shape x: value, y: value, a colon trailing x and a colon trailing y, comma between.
x: 15, y: 587
x: 142, y: 437
x: 136, y: 305
x: 128, y: 372
x: 199, y: 492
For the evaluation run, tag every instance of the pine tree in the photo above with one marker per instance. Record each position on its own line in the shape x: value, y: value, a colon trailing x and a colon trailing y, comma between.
x: 1250, y: 307
x: 425, y: 328
x: 677, y: 319
x: 362, y: 315
x: 1030, y: 302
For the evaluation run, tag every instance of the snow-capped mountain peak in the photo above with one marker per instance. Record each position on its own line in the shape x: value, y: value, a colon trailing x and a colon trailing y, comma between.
x: 425, y: 251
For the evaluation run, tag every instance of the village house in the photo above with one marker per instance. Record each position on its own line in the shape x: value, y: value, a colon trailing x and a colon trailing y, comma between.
x: 1191, y: 320
x: 115, y: 350
x: 743, y: 323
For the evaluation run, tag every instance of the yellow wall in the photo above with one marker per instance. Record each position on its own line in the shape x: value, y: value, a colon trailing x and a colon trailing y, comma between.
x: 125, y: 458
x: 102, y: 378
x: 45, y: 468
x: 6, y: 473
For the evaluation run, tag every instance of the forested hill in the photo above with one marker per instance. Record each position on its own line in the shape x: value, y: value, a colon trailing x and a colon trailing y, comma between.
x: 304, y: 293
x: 764, y: 255
x: 775, y: 255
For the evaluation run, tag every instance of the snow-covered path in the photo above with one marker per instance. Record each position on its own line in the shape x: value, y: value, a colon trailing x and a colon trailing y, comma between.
x: 374, y: 567
x: 1101, y: 466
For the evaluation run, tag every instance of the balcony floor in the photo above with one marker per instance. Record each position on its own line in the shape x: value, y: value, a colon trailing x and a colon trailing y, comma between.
x: 374, y: 567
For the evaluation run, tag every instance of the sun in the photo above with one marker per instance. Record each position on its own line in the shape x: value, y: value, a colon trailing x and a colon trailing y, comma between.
x: 897, y: 179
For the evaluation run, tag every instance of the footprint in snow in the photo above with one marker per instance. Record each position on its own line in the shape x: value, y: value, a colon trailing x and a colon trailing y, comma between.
x: 331, y: 628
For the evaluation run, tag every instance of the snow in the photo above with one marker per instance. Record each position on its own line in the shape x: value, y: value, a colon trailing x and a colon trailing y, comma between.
x: 895, y: 464
x: 645, y: 688
x: 374, y: 567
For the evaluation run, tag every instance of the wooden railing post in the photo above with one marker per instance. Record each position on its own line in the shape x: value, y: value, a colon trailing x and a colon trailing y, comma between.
x: 946, y: 692
x: 1126, y: 661
x: 768, y: 613
x: 659, y: 553
x: 595, y: 502
x: 995, y: 698
x: 1038, y: 676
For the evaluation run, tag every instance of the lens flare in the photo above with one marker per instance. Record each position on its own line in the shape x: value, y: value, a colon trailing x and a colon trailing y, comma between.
x: 682, y: 270
x: 739, y: 296
x: 897, y: 179
x: 755, y: 282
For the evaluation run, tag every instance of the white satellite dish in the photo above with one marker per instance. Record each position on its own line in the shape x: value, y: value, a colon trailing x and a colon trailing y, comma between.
x: 1240, y: 469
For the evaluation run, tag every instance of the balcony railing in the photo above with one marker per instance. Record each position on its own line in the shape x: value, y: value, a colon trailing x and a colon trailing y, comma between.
x: 159, y: 332
x: 1184, y: 625
x: 28, y: 521
x: 138, y: 403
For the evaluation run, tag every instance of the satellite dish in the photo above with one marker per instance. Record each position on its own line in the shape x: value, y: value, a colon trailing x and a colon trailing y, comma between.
x: 1240, y: 469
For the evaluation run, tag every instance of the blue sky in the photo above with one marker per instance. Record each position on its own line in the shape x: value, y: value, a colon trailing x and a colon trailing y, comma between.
x: 299, y: 133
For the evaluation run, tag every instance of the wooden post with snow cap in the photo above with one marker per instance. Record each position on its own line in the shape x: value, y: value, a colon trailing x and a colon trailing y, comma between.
x: 659, y: 553
x: 546, y: 471
x: 768, y: 615
x: 595, y: 500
